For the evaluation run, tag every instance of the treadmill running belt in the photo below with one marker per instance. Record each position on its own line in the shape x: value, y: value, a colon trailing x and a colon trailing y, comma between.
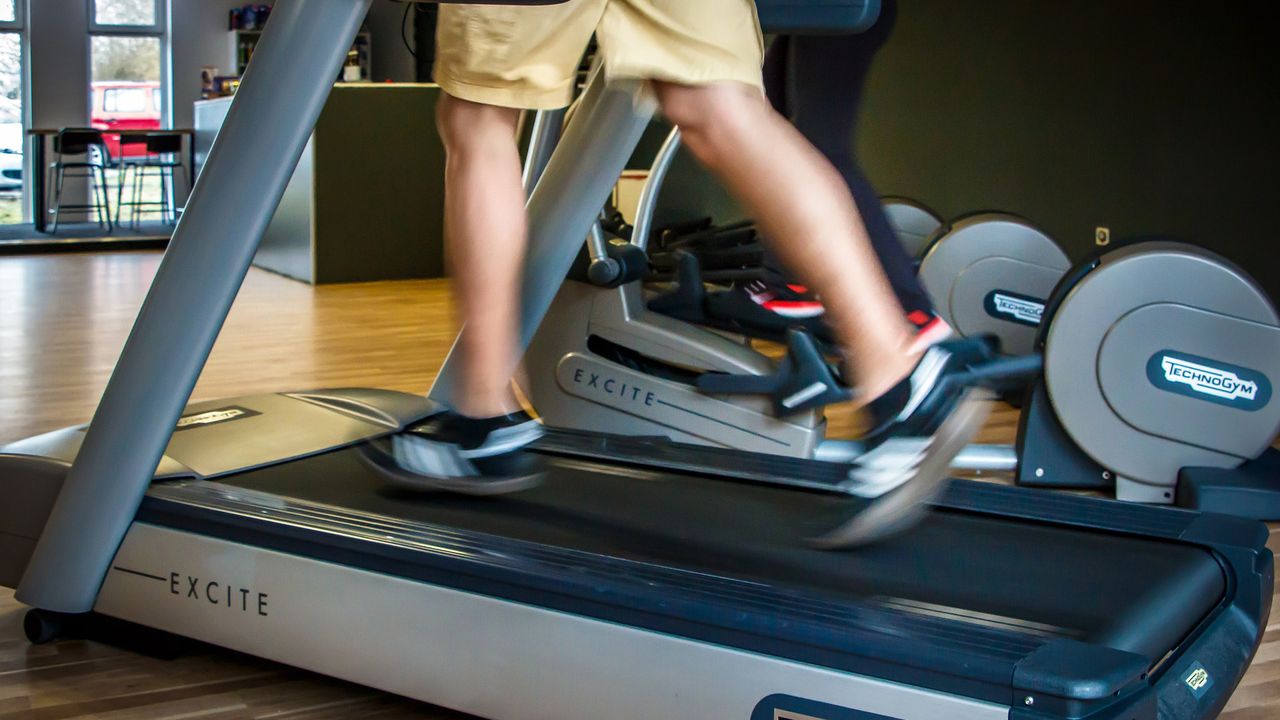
x: 1132, y: 594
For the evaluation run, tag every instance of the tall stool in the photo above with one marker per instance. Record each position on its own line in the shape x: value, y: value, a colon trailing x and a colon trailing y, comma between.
x: 162, y: 160
x: 88, y: 145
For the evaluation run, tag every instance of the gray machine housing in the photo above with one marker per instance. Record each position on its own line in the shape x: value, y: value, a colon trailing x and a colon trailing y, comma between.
x: 914, y: 222
x: 1132, y: 355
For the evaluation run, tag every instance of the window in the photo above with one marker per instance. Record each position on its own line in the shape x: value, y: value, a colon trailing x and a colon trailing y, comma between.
x: 132, y: 13
x: 11, y: 14
x: 126, y: 100
x: 129, y: 73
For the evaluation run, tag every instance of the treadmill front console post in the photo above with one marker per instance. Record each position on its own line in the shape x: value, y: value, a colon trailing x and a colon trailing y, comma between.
x: 273, y: 114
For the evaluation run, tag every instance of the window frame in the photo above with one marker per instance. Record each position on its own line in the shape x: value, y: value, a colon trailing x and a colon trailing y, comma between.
x: 18, y: 23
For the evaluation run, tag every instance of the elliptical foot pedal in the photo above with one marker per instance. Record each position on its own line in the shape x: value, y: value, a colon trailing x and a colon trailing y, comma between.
x: 802, y: 381
x: 687, y: 300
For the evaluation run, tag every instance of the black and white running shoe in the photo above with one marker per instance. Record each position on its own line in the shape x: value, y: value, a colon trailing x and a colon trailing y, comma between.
x: 909, y: 461
x: 454, y: 453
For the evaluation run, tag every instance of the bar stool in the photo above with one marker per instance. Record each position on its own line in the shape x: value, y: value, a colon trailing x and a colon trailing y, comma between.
x: 89, y: 144
x: 162, y: 160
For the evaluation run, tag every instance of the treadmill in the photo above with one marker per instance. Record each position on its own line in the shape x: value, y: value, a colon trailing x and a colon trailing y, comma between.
x: 643, y: 579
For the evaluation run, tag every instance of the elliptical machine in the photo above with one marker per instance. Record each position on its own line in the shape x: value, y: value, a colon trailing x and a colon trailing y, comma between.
x: 914, y: 222
x: 1160, y: 360
x: 1155, y: 370
x: 991, y: 274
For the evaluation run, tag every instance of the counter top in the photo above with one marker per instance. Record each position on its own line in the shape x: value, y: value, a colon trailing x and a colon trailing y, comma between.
x: 364, y: 86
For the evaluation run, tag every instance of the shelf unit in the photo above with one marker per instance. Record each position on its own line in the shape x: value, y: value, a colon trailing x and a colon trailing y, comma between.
x: 242, y: 43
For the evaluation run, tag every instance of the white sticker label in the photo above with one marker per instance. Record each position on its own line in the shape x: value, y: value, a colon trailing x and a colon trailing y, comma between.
x: 213, y: 417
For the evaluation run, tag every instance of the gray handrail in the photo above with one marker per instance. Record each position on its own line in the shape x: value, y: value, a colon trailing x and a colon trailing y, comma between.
x: 648, y: 202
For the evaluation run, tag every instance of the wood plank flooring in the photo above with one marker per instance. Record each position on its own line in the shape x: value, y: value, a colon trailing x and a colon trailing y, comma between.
x: 63, y: 319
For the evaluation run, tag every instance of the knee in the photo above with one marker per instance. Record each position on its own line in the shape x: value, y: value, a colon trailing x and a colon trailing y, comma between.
x: 464, y: 124
x: 706, y: 113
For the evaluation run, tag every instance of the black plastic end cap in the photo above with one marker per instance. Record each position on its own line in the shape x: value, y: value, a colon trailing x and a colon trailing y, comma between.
x: 1073, y: 670
x: 1250, y: 491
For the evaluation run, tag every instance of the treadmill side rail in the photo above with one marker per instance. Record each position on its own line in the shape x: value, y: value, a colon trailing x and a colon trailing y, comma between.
x: 432, y: 642
x: 1203, y: 677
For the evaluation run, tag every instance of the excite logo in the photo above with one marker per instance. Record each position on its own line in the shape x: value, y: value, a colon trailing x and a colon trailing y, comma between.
x: 1015, y: 308
x: 215, y: 417
x: 1210, y: 380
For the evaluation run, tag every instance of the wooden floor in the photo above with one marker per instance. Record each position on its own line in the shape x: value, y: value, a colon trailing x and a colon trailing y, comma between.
x: 63, y: 319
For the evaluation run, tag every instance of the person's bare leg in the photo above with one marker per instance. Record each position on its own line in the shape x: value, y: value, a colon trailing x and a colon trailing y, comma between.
x: 485, y: 236
x: 799, y: 199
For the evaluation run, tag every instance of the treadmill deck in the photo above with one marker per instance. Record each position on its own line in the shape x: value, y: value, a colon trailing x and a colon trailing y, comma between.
x: 1017, y: 578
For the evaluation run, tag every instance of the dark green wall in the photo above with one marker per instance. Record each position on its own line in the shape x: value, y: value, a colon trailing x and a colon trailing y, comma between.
x: 379, y: 185
x: 1144, y: 117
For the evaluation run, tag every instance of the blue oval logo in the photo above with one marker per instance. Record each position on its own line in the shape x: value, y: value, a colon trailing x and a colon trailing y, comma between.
x: 1209, y: 380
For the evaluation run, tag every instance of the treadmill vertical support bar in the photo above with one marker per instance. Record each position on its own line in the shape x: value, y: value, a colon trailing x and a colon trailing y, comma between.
x: 604, y: 131
x: 270, y: 120
x: 543, y: 137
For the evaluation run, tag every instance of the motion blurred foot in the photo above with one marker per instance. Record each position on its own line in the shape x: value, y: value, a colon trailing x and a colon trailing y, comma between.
x: 450, y: 452
x: 931, y: 417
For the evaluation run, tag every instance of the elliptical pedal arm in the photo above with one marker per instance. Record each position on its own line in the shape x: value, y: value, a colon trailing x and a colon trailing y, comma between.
x: 803, y: 380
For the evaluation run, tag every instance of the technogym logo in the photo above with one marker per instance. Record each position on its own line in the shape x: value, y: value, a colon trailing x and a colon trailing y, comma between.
x: 1012, y: 307
x: 1209, y: 380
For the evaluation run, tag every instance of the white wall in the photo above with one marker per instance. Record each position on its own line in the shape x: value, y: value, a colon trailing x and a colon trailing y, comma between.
x: 199, y: 38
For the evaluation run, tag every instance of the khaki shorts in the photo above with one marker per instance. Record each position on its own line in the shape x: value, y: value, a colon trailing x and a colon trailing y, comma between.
x: 528, y: 56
